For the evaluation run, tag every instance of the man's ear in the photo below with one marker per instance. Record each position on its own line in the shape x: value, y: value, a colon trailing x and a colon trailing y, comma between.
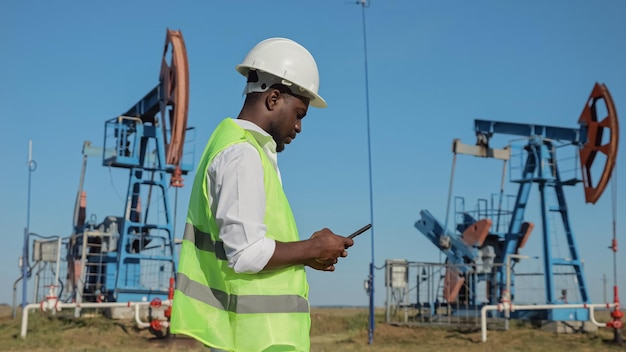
x: 272, y: 98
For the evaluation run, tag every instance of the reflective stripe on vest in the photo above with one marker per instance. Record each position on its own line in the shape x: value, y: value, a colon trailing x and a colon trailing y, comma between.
x: 247, y: 304
x: 203, y: 241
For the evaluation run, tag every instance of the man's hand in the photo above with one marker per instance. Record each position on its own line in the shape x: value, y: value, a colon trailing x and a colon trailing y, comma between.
x: 320, y: 252
x: 328, y: 248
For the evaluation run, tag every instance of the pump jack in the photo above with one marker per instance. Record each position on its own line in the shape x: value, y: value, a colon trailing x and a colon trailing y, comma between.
x: 477, y: 238
x: 131, y: 257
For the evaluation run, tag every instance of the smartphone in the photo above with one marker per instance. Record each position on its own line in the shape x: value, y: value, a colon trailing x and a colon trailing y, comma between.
x: 360, y: 231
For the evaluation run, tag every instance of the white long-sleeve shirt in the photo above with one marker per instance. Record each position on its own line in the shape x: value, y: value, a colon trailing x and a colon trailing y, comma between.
x: 237, y: 198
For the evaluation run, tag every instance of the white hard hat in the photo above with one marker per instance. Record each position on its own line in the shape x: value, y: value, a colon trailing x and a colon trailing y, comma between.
x: 281, y: 60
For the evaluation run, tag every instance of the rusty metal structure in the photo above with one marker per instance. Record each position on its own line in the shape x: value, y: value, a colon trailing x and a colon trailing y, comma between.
x: 167, y: 104
x: 597, y: 127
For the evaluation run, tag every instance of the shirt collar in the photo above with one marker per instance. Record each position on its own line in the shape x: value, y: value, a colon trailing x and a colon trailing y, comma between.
x: 259, y: 134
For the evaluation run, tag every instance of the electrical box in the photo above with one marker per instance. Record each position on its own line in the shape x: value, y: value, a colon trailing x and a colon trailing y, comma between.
x: 396, y: 273
x: 45, y: 250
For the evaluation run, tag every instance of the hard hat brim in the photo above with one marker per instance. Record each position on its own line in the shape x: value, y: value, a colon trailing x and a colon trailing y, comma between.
x: 315, y: 101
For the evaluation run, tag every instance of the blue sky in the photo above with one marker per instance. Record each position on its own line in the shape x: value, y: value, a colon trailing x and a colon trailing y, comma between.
x: 434, y: 67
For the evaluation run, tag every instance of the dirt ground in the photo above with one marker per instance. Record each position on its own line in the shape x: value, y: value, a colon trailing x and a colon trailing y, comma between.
x: 332, y: 329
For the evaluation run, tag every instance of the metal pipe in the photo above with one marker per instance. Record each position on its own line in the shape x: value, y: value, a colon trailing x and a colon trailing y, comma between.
x: 58, y: 268
x: 484, y: 309
x: 32, y: 166
x: 56, y: 305
x: 15, y: 295
x: 364, y: 4
x: 142, y: 324
x: 83, y: 275
x: 501, y: 195
x: 508, y: 298
x: 36, y: 285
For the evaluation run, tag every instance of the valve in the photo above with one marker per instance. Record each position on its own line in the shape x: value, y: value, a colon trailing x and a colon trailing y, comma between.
x: 505, y: 300
x: 617, y: 325
x: 159, y: 328
x: 617, y: 316
x: 100, y: 297
x: 156, y: 303
x: 52, y: 300
x: 155, y: 324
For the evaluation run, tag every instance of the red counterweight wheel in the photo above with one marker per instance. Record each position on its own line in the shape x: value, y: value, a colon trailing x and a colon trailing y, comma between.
x: 595, y: 144
x: 174, y: 80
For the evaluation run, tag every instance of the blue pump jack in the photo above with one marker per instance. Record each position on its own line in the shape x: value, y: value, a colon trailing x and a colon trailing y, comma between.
x: 132, y: 257
x: 540, y: 168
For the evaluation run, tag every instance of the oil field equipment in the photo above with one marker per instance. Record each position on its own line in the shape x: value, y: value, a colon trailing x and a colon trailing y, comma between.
x: 131, y: 257
x: 481, y: 249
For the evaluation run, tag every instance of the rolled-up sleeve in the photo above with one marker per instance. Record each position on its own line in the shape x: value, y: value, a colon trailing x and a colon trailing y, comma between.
x: 237, y: 198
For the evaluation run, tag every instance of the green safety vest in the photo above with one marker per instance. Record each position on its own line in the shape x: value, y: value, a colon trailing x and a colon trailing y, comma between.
x: 266, y: 311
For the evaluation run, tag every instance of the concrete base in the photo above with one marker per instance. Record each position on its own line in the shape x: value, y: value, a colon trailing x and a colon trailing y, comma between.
x: 568, y: 327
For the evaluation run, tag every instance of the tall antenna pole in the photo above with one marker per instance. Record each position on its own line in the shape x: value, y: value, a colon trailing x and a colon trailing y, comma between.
x: 616, y: 314
x: 32, y: 166
x: 370, y: 283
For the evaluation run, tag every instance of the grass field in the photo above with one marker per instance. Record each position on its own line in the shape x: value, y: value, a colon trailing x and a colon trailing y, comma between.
x: 333, y: 329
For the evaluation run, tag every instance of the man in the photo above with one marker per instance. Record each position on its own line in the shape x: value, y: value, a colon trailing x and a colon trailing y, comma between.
x: 241, y: 284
